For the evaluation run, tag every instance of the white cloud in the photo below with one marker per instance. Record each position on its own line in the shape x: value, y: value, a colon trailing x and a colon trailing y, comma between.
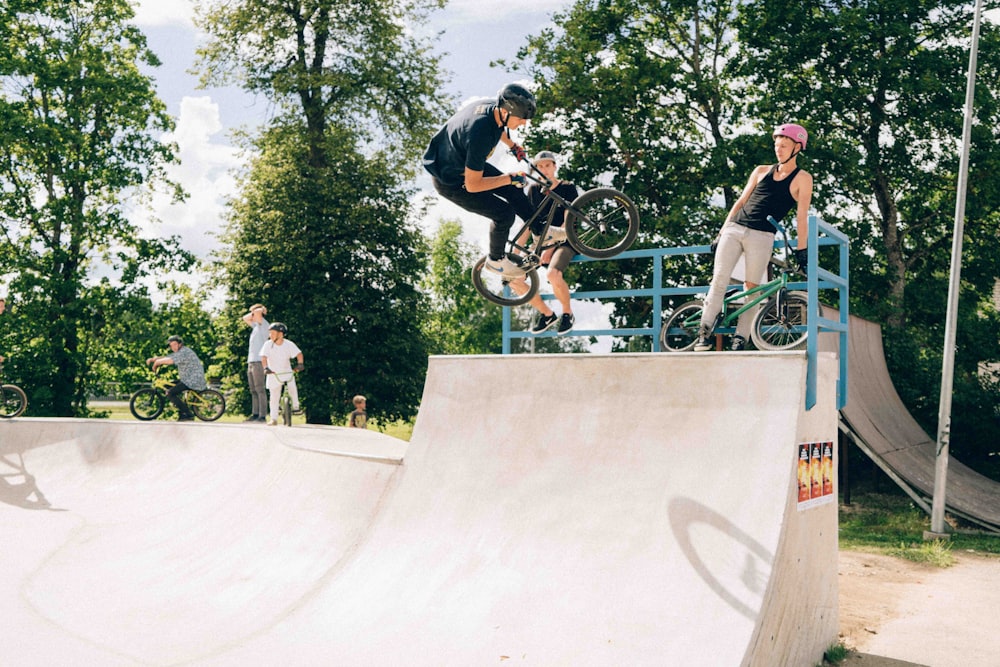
x: 206, y: 172
x: 470, y: 11
x: 164, y: 12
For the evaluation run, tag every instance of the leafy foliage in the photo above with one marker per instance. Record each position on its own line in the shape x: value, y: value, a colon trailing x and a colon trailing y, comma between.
x: 78, y: 137
x: 321, y: 232
x: 333, y: 256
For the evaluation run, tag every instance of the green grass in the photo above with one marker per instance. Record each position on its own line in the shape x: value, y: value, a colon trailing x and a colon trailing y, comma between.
x: 892, y: 524
x: 119, y: 410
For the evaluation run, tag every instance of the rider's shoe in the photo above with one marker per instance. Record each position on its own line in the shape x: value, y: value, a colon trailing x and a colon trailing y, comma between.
x: 738, y: 344
x: 566, y: 323
x: 272, y: 422
x: 544, y: 323
x: 509, y: 266
x: 296, y: 411
x: 705, y: 342
x: 555, y: 234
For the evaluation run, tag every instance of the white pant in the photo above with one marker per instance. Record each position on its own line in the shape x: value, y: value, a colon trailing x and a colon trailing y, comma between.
x: 274, y: 394
x: 734, y: 241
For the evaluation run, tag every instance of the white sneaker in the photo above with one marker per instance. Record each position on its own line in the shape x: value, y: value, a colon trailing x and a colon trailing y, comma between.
x: 272, y: 422
x: 555, y: 234
x: 505, y: 267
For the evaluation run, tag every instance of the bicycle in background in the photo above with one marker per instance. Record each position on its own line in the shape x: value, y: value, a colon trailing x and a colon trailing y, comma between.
x: 13, y: 400
x: 285, y: 402
x: 148, y: 403
x: 780, y: 324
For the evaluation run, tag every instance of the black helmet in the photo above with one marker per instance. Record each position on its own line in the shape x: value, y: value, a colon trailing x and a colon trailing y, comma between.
x: 517, y: 99
x: 279, y: 326
x: 171, y: 339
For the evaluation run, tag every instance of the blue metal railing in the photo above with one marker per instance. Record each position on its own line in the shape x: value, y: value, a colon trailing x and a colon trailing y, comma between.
x: 820, y: 234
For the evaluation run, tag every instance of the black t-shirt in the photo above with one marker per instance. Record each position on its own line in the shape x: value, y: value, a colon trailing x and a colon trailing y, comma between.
x: 769, y: 197
x: 466, y: 140
x: 565, y: 190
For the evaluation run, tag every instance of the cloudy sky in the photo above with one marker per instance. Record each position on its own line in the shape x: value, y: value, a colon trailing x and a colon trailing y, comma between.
x: 475, y: 32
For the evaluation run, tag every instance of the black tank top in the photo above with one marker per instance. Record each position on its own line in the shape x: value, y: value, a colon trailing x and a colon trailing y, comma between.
x: 769, y: 197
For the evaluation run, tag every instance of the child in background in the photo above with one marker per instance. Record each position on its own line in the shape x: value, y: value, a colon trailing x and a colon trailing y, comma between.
x: 359, y: 418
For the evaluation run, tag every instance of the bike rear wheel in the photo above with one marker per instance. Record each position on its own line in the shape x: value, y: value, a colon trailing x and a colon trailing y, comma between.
x: 146, y: 404
x: 13, y: 401
x: 680, y: 332
x: 286, y: 409
x: 780, y: 323
x: 607, y: 223
x: 208, y: 405
x: 496, y: 289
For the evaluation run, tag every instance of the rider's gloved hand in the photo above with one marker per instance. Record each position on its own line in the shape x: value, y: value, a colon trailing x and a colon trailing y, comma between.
x: 802, y: 257
x: 300, y: 367
x: 520, y: 179
x: 267, y: 370
x: 519, y: 152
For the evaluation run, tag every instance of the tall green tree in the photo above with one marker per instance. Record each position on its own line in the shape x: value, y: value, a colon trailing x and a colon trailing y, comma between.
x: 333, y: 255
x: 635, y: 92
x: 460, y: 321
x: 79, y: 128
x: 881, y: 84
x: 322, y: 230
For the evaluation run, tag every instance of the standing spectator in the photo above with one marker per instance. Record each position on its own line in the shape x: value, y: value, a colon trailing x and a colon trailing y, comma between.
x: 190, y: 374
x: 772, y: 190
x: 359, y: 418
x: 558, y: 258
x: 255, y: 369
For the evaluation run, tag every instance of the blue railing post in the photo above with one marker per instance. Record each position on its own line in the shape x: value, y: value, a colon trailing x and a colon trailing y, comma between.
x: 820, y: 234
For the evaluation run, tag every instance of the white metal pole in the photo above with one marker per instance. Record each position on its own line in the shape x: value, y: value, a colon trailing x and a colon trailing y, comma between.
x: 954, y: 284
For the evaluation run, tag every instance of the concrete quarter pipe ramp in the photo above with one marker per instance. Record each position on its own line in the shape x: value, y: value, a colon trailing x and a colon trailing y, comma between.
x: 550, y: 510
x: 876, y: 419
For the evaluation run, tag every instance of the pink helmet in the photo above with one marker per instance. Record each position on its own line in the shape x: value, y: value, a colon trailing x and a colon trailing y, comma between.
x: 794, y: 132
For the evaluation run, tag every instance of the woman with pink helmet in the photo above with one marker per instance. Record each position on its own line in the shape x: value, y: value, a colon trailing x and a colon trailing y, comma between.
x: 772, y: 190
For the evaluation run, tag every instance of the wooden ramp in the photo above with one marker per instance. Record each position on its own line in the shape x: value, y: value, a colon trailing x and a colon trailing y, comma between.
x: 876, y: 419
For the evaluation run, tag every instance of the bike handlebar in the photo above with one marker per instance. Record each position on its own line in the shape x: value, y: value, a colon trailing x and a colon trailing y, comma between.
x: 534, y: 175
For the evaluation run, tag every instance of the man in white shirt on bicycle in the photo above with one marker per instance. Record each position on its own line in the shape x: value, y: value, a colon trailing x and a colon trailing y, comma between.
x: 276, y: 356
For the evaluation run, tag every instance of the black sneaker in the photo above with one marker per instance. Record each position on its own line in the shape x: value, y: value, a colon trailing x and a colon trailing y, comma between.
x: 185, y: 418
x: 251, y: 418
x: 565, y: 324
x: 544, y: 323
x: 739, y: 344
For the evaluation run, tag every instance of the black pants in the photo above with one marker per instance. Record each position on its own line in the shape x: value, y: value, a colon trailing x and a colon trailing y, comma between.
x: 499, y: 205
x: 176, y: 396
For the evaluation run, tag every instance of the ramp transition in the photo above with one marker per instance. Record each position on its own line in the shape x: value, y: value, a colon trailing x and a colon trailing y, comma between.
x: 565, y: 509
x: 876, y: 419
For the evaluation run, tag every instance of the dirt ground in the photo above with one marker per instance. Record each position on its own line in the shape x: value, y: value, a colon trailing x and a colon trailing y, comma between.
x: 896, y: 613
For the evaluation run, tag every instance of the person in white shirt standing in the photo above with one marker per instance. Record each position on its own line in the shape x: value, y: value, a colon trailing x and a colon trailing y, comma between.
x: 276, y: 357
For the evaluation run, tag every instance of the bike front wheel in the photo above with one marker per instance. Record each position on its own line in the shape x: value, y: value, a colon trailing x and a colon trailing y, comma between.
x: 781, y: 323
x: 207, y: 405
x: 146, y: 404
x: 498, y: 290
x: 602, y: 223
x: 680, y: 332
x: 286, y: 410
x: 13, y: 401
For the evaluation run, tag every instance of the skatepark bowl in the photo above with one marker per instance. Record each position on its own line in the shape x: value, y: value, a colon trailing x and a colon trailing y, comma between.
x: 651, y: 514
